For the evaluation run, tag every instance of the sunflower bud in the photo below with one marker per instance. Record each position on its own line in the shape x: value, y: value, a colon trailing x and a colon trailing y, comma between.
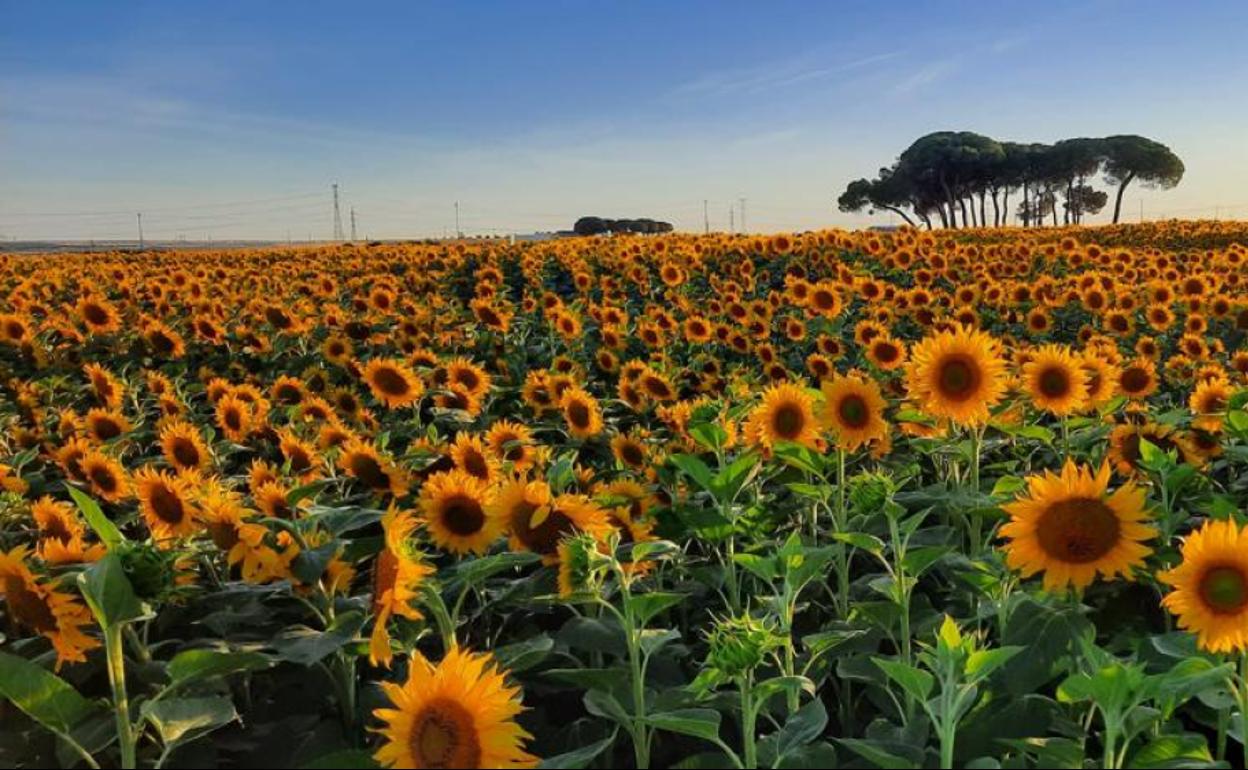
x: 152, y: 572
x: 739, y: 645
x: 868, y: 492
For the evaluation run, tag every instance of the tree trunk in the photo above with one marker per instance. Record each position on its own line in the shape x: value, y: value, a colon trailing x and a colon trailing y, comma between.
x: 996, y: 209
x: 944, y: 218
x: 1026, y: 205
x: 962, y: 205
x: 949, y: 199
x: 926, y: 220
x: 901, y: 213
x: 1005, y: 207
x: 1121, y: 189
x: 983, y: 221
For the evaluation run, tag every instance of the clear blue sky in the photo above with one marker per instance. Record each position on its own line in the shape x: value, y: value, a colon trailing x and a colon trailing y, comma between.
x: 231, y: 119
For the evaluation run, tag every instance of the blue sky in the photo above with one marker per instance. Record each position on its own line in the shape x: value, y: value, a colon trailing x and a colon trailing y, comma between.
x: 231, y: 119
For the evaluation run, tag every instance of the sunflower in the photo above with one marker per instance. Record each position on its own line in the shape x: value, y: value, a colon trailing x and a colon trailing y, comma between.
x: 886, y: 352
x: 106, y: 424
x: 164, y: 341
x: 959, y: 375
x: 581, y: 413
x: 1208, y: 403
x: 1137, y: 379
x: 787, y: 413
x: 1055, y: 380
x: 1101, y: 382
x: 398, y: 572
x: 460, y: 713
x: 467, y: 375
x: 1210, y: 594
x: 167, y: 503
x: 234, y: 417
x: 630, y: 451
x: 62, y: 535
x: 109, y: 391
x: 106, y: 476
x: 1124, y: 445
x: 537, y: 521
x: 360, y: 460
x: 511, y: 442
x: 393, y: 383
x: 183, y: 446
x: 853, y: 410
x: 40, y: 607
x: 471, y: 455
x: 301, y: 457
x: 1069, y: 527
x: 98, y: 315
x: 457, y: 514
x: 233, y: 532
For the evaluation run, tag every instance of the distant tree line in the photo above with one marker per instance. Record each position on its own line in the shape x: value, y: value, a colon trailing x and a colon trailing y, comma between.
x: 948, y: 175
x: 600, y: 226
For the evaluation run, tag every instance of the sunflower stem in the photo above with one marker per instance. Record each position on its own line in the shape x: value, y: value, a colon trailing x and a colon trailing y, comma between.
x: 1242, y: 693
x: 976, y: 534
x: 115, y: 652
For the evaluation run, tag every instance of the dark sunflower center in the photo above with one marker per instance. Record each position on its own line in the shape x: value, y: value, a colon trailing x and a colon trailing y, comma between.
x: 104, y: 478
x: 578, y: 414
x: 95, y: 315
x: 385, y: 573
x: 368, y: 470
x: 959, y: 378
x: 1224, y: 589
x: 788, y: 421
x: 1135, y: 380
x: 391, y: 382
x: 107, y: 429
x: 444, y: 735
x: 56, y: 529
x: 1054, y: 382
x: 462, y: 515
x: 545, y: 537
x: 185, y: 453
x: 167, y: 505
x: 886, y: 352
x: 28, y: 608
x: 632, y: 454
x: 475, y: 465
x: 854, y: 412
x: 1078, y: 531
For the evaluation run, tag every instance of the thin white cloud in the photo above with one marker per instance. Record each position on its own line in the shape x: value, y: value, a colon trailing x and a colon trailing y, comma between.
x: 776, y: 74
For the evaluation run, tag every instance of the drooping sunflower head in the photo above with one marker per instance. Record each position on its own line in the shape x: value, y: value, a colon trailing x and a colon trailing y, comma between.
x: 460, y: 713
x: 1071, y: 528
x: 1210, y: 594
x: 959, y: 375
x: 1055, y: 380
x: 853, y: 409
x: 457, y: 512
x: 38, y: 606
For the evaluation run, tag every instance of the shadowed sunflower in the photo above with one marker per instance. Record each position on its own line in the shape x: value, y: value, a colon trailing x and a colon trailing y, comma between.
x: 1208, y: 403
x: 457, y: 515
x: 537, y: 521
x: 361, y: 461
x: 1055, y: 380
x: 1210, y: 594
x: 106, y: 425
x: 470, y: 455
x: 40, y: 607
x: 511, y: 442
x: 183, y: 447
x: 1138, y: 379
x: 62, y: 535
x: 581, y: 413
x: 1124, y: 445
x: 106, y: 476
x: 460, y: 713
x: 1071, y: 529
x: 630, y: 451
x: 167, y: 503
x: 1102, y: 380
x: 233, y: 532
x: 393, y: 383
x: 787, y: 413
x: 959, y: 375
x: 853, y: 410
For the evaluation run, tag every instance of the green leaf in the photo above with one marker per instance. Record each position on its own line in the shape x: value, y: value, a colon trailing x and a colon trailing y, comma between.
x: 728, y: 482
x: 524, y: 655
x: 982, y: 663
x: 103, y: 527
x: 813, y: 491
x: 307, y: 646
x: 710, y: 435
x: 301, y: 493
x: 179, y: 720
x: 762, y: 567
x: 805, y: 725
x: 578, y: 758
x: 862, y: 541
x: 42, y: 695
x: 917, y: 682
x: 474, y: 572
x: 348, y: 759
x: 700, y: 723
x: 108, y: 592
x: 696, y: 470
x: 645, y: 606
x: 603, y: 704
x: 196, y: 665
x: 1008, y: 486
x: 1187, y: 750
x: 877, y: 753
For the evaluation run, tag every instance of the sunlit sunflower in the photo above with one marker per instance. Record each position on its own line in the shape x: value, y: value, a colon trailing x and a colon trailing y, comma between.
x: 512, y: 443
x: 167, y: 503
x: 98, y: 315
x: 456, y: 509
x: 38, y: 605
x: 471, y: 455
x: 581, y: 413
x: 62, y: 535
x: 1137, y: 379
x: 1124, y: 445
x: 106, y: 476
x: 106, y: 424
x: 787, y: 413
x: 1055, y: 380
x: 1210, y: 594
x: 460, y: 713
x: 1209, y: 402
x: 393, y: 383
x: 109, y: 391
x: 853, y: 410
x: 959, y: 375
x: 886, y: 352
x: 301, y: 456
x: 237, y: 535
x: 1102, y: 380
x: 1070, y: 528
x: 183, y: 446
x: 234, y: 417
x: 398, y: 571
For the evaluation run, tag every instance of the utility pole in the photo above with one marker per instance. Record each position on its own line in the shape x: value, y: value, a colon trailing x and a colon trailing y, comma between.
x: 706, y: 219
x: 140, y: 216
x: 338, y: 236
x: 353, y: 224
x: 732, y: 225
x: 742, y: 214
x: 458, y: 233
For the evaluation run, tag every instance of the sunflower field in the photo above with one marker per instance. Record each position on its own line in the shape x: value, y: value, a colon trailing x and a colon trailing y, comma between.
x: 834, y: 499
